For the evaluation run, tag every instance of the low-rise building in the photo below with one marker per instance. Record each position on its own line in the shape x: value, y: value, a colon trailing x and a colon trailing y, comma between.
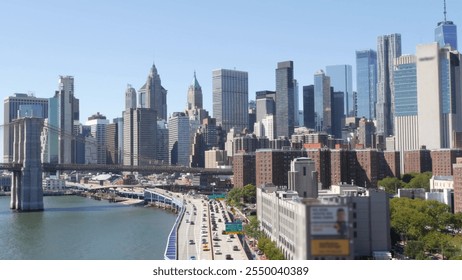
x: 345, y: 222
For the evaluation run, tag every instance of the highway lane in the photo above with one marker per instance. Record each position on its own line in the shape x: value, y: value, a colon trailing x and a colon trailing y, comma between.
x: 204, y: 214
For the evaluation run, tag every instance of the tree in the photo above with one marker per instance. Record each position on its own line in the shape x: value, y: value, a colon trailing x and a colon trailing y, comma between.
x: 391, y: 184
x: 421, y: 180
x: 252, y: 229
x: 436, y: 242
x: 270, y: 249
x: 234, y: 196
x: 415, y: 250
x: 406, y: 178
x: 247, y: 193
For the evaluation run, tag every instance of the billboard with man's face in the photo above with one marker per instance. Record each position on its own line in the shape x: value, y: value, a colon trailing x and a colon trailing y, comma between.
x: 330, y: 221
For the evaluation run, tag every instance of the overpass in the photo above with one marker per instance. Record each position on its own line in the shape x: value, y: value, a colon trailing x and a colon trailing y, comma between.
x: 50, y: 167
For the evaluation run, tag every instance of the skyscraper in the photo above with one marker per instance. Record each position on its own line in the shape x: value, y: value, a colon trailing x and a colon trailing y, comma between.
x: 68, y: 115
x: 322, y: 102
x: 162, y: 141
x: 296, y: 104
x: 406, y: 125
x: 179, y: 140
x: 265, y: 104
x: 195, y: 94
x: 338, y: 116
x: 130, y: 97
x: 366, y: 83
x: 388, y: 48
x: 308, y: 106
x: 230, y: 98
x: 140, y: 132
x: 98, y: 125
x: 285, y: 99
x: 12, y: 108
x: 446, y: 32
x: 341, y: 79
x: 154, y: 94
x: 438, y: 95
x: 114, y: 137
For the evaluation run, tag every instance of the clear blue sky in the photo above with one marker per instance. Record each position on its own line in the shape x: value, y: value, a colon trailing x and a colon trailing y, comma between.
x: 107, y: 44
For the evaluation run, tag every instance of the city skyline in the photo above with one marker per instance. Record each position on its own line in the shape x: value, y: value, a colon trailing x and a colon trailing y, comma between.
x: 55, y: 41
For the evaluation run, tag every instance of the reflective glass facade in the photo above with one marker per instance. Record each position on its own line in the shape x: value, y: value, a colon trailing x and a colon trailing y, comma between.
x: 322, y: 102
x: 341, y: 80
x: 285, y: 99
x: 446, y: 34
x: 405, y: 90
x: 366, y: 83
x: 230, y: 98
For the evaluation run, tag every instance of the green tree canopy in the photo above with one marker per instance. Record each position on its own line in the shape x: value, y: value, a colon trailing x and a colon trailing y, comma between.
x: 252, y: 229
x: 246, y: 194
x: 427, y: 227
x: 421, y: 180
x: 406, y: 178
x: 391, y: 184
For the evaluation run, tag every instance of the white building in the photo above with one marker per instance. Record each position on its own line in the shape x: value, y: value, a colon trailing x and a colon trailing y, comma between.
x: 351, y: 224
x: 303, y: 177
x: 53, y: 183
x: 441, y: 183
x: 98, y: 125
x: 439, y: 96
x: 215, y: 158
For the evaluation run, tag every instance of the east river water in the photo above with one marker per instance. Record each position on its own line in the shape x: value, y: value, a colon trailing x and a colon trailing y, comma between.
x: 77, y: 228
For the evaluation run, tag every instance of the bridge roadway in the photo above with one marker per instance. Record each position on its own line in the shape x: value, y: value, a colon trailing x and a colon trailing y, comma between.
x: 49, y: 167
x: 199, y: 211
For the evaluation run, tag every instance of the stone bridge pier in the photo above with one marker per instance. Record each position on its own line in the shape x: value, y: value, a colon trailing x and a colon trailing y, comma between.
x: 26, y: 185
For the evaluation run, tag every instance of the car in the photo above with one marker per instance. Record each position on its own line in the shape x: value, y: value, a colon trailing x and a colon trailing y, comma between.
x: 204, y: 241
x: 193, y: 258
x: 191, y: 223
x: 231, y: 236
x: 216, y: 244
x: 191, y: 242
x: 219, y: 220
x: 217, y: 252
x: 215, y: 238
x: 228, y: 257
x: 187, y: 221
x: 235, y: 248
x: 205, y: 247
x: 228, y: 239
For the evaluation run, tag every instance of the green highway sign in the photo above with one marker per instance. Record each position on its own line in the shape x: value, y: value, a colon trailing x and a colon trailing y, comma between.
x: 217, y: 196
x: 233, y: 228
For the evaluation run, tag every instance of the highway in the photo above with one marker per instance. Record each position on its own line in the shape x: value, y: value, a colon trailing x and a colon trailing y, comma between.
x: 199, y: 240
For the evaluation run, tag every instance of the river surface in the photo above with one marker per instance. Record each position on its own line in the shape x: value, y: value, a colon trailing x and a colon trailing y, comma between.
x: 77, y: 228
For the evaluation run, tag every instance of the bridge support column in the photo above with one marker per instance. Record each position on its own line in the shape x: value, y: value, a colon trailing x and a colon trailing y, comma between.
x: 26, y: 191
x: 15, y: 181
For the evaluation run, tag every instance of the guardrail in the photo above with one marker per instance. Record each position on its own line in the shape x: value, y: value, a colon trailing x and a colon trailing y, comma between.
x: 171, y: 249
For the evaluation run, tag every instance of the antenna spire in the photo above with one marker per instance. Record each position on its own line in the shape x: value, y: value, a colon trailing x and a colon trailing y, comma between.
x: 444, y: 10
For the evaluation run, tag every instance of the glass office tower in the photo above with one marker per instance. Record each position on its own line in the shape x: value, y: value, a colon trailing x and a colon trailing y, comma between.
x: 366, y: 83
